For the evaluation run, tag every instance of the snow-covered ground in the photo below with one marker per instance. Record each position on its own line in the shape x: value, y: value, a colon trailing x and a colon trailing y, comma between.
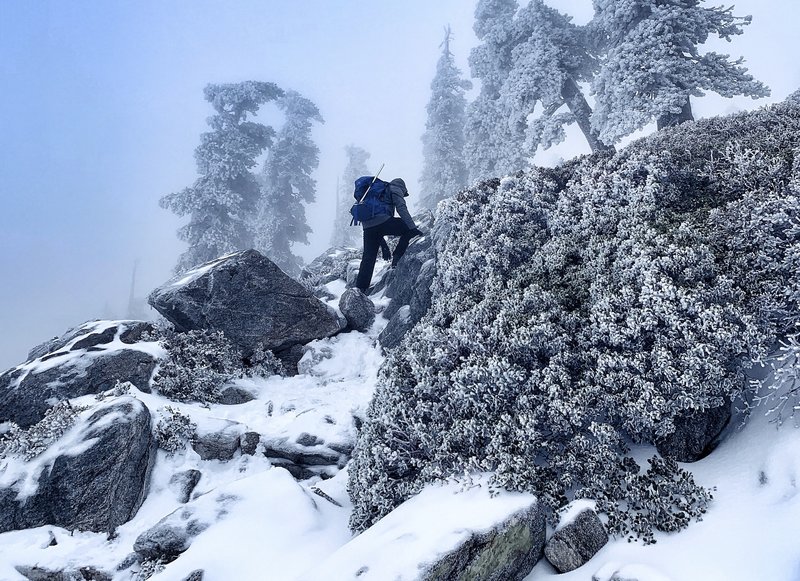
x: 267, y: 526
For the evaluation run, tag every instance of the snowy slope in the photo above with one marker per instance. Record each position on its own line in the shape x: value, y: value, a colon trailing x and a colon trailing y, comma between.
x: 266, y: 525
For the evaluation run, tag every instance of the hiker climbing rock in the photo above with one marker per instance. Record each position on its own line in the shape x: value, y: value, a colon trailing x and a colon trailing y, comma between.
x: 376, y: 203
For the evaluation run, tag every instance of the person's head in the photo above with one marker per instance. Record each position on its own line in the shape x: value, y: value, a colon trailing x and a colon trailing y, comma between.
x: 398, y: 182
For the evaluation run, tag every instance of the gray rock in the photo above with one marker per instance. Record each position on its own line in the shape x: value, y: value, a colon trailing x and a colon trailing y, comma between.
x: 696, y: 435
x: 409, y: 284
x: 466, y: 547
x: 306, y: 439
x: 358, y: 309
x: 194, y: 576
x: 329, y: 266
x: 291, y: 357
x: 99, y: 488
x: 183, y: 484
x: 217, y: 445
x: 249, y: 299
x: 573, y: 545
x: 249, y: 442
x: 235, y: 395
x: 80, y: 363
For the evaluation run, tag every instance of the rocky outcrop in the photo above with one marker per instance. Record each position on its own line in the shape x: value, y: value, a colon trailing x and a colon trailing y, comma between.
x: 80, y: 574
x: 331, y: 265
x: 409, y: 285
x: 307, y: 456
x: 89, y: 359
x: 696, y: 434
x: 577, y: 541
x: 358, y: 309
x: 183, y: 484
x: 173, y: 534
x: 95, y: 479
x: 461, y: 543
x: 249, y: 299
x: 220, y: 445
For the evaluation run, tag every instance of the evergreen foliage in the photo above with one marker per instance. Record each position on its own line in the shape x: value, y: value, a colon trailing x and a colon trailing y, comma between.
x: 551, y: 55
x: 444, y: 171
x: 29, y: 443
x: 221, y: 202
x: 580, y: 310
x: 343, y: 233
x: 493, y: 135
x: 652, y: 65
x: 174, y: 430
x: 287, y: 184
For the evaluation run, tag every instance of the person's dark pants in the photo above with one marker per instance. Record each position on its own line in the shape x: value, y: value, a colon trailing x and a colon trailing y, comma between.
x: 372, y: 241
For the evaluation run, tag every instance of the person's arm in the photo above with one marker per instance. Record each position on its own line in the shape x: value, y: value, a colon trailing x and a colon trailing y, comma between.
x: 402, y: 210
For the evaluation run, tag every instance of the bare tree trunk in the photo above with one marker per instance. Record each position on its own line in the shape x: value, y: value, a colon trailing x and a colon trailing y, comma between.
x: 670, y: 119
x: 573, y: 97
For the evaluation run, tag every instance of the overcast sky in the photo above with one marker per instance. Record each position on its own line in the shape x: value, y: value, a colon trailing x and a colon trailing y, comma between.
x: 101, y: 108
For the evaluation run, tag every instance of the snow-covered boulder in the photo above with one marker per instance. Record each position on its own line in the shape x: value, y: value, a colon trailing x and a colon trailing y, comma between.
x: 94, y: 477
x: 445, y: 533
x: 88, y: 359
x: 36, y: 573
x: 357, y: 308
x: 183, y: 483
x: 249, y: 299
x: 696, y: 434
x: 219, y: 445
x: 306, y: 458
x: 579, y: 536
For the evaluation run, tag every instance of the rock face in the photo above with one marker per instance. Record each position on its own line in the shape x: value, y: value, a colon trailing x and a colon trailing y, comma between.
x: 307, y: 457
x: 695, y: 435
x: 249, y: 299
x: 330, y: 265
x: 357, y: 309
x: 89, y: 359
x: 220, y: 445
x: 575, y: 543
x: 464, y: 543
x: 80, y: 574
x: 98, y: 488
x: 409, y: 284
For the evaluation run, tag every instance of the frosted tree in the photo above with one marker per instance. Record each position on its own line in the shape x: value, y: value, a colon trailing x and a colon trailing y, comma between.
x: 444, y: 170
x: 287, y: 184
x: 652, y: 62
x: 343, y: 233
x: 221, y: 202
x: 493, y: 136
x: 550, y: 57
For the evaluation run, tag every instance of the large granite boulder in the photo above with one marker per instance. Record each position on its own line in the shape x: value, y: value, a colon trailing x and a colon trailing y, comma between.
x: 94, y: 478
x: 576, y: 541
x: 249, y: 299
x: 89, y: 359
x: 474, y: 536
x: 696, y: 434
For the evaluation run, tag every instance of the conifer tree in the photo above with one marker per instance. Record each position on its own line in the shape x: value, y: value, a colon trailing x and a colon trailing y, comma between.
x: 221, y: 202
x: 444, y: 170
x: 494, y: 137
x: 549, y: 58
x: 343, y: 233
x: 652, y: 62
x: 287, y: 184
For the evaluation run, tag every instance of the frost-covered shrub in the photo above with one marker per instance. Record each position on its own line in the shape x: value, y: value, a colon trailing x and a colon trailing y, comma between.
x: 198, y: 364
x: 174, y: 430
x: 581, y: 309
x: 27, y: 444
x: 263, y: 363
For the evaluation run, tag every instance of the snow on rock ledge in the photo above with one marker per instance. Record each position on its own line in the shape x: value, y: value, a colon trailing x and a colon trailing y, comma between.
x: 445, y: 533
x: 249, y: 299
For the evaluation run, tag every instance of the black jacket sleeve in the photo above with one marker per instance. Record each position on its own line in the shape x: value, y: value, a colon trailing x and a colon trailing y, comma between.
x: 402, y: 210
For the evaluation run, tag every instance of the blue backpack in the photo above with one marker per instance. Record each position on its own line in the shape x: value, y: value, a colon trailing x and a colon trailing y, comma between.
x: 373, y: 199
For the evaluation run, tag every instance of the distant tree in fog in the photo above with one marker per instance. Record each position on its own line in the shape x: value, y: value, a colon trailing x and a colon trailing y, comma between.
x: 444, y: 170
x: 287, y: 184
x: 343, y: 233
x: 221, y: 202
